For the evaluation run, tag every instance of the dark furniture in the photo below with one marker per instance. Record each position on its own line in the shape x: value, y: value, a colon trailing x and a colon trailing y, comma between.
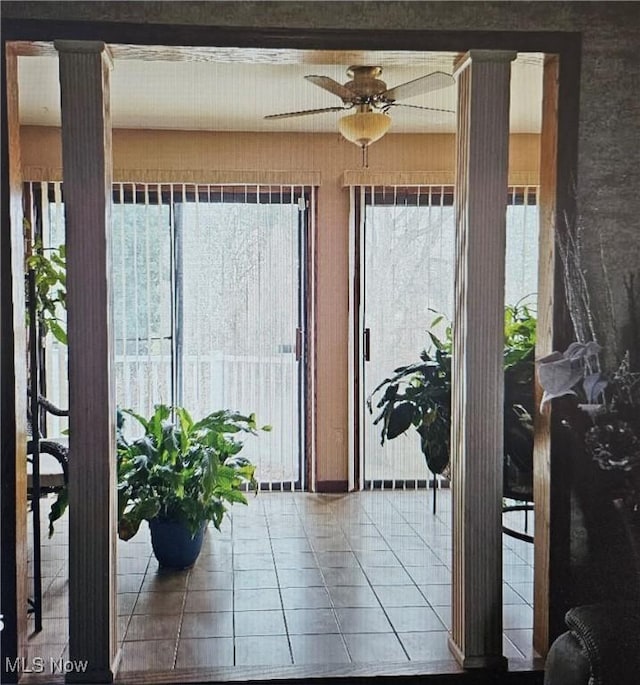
x: 601, y: 647
x: 48, y: 471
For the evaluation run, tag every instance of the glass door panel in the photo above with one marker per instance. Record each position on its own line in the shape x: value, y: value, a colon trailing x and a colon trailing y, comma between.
x: 407, y: 276
x: 240, y: 313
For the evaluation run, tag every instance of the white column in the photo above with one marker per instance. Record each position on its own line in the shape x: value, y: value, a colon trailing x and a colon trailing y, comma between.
x: 478, y: 379
x: 86, y: 159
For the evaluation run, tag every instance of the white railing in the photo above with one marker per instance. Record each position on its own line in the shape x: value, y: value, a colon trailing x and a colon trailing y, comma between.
x: 264, y: 386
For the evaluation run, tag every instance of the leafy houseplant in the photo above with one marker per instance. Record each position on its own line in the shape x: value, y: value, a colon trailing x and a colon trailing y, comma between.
x: 182, y: 472
x: 607, y: 429
x: 419, y: 395
x: 611, y: 433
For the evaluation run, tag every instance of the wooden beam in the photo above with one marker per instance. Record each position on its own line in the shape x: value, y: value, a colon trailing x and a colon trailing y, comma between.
x: 13, y: 405
x: 544, y: 346
x: 553, y: 447
x: 478, y: 374
x: 86, y: 160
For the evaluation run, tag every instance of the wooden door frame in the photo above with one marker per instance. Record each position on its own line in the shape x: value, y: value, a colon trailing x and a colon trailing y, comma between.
x: 567, y: 45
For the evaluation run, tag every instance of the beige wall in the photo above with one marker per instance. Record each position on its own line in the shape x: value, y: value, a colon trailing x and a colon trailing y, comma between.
x: 141, y: 155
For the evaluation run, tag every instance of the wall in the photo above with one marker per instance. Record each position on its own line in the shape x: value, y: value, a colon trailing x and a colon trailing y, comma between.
x: 216, y: 157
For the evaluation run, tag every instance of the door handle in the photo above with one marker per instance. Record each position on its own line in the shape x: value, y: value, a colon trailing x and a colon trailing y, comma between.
x: 298, y: 344
x: 366, y: 344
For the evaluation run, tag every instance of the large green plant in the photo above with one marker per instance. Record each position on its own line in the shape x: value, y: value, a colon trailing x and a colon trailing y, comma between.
x: 419, y: 394
x: 181, y: 469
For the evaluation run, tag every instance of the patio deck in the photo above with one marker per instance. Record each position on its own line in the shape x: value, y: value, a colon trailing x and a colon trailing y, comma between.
x: 295, y: 579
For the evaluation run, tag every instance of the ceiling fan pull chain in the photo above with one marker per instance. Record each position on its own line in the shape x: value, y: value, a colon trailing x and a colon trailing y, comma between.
x: 365, y: 156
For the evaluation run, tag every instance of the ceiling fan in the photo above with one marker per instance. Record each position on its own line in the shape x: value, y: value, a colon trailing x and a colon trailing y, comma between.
x: 366, y: 91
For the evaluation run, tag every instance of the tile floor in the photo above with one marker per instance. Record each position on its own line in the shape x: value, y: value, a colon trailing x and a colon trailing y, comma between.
x: 295, y: 578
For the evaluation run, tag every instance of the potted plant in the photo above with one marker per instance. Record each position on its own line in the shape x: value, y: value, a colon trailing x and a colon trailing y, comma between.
x: 419, y: 395
x: 608, y: 426
x: 179, y: 475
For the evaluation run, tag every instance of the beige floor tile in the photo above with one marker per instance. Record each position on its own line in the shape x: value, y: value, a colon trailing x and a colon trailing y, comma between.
x: 302, y: 577
x: 159, y: 603
x: 368, y: 648
x: 523, y: 640
x: 208, y: 600
x: 207, y: 624
x: 156, y: 655
x: 271, y: 650
x: 152, y: 627
x: 129, y: 582
x: 353, y: 596
x: 311, y: 622
x: 214, y: 562
x: 305, y: 598
x: 318, y: 649
x: 204, y: 652
x: 517, y: 616
x: 344, y: 576
x: 362, y: 620
x: 165, y: 581
x: 426, y: 646
x: 388, y: 575
x: 420, y: 619
x: 126, y: 602
x: 256, y: 599
x: 268, y: 622
x: 337, y: 560
x: 400, y: 596
x: 128, y: 565
x: 295, y: 560
x: 248, y: 562
x: 210, y: 580
x: 261, y: 578
x: 54, y: 631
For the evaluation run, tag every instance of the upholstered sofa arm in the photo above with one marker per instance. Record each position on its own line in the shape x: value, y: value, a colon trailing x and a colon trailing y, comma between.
x: 602, y: 647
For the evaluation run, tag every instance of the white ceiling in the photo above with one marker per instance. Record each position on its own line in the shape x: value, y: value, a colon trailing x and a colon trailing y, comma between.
x: 193, y: 90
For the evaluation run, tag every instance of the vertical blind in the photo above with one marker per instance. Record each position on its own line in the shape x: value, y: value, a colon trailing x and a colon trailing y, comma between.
x: 407, y: 266
x: 208, y: 294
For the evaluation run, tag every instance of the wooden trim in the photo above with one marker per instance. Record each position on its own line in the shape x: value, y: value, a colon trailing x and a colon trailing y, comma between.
x: 13, y: 408
x: 552, y: 450
x: 204, y: 35
x: 86, y: 154
x: 311, y: 341
x: 332, y: 486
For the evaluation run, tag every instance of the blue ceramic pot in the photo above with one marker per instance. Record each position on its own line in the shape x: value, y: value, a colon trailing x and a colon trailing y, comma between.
x: 173, y: 543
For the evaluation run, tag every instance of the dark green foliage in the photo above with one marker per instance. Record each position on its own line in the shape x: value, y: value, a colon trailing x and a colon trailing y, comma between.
x: 419, y: 395
x: 181, y: 469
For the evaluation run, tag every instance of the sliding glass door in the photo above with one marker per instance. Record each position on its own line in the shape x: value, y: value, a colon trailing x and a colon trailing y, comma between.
x: 240, y: 297
x: 208, y: 307
x: 405, y: 247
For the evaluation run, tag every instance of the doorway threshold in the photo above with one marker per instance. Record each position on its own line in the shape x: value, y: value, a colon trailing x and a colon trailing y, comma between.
x: 441, y: 672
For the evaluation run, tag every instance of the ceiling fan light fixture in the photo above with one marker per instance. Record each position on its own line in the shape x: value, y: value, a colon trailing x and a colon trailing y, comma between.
x: 364, y: 128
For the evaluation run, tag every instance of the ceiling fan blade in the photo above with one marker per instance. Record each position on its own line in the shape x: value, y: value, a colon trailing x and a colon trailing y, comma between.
x: 403, y: 104
x: 332, y: 86
x: 419, y: 86
x: 304, y: 112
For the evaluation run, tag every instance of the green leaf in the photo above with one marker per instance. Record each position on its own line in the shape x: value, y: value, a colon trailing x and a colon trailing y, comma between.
x: 58, y: 508
x: 58, y: 332
x: 400, y: 419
